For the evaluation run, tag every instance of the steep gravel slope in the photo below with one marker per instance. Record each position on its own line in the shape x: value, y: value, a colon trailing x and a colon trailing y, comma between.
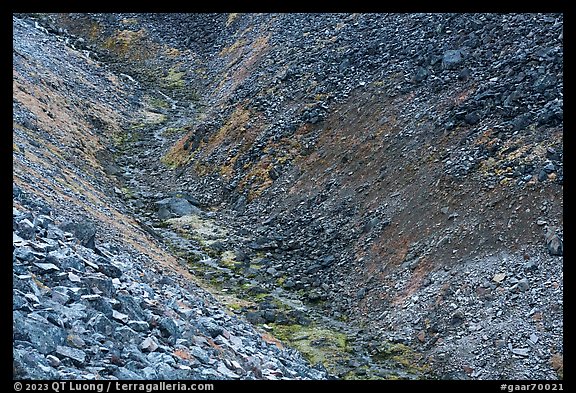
x: 94, y: 295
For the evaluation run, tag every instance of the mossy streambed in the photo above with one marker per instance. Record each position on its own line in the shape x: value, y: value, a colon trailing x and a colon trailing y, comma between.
x: 283, y: 316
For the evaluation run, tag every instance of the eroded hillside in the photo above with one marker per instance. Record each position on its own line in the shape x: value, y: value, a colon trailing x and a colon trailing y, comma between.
x: 398, y: 177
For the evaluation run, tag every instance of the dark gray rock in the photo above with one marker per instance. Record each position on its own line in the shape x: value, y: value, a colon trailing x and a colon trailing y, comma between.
x: 104, y: 285
x: 102, y: 325
x: 549, y: 168
x: 328, y: 261
x: 106, y: 267
x: 24, y: 254
x: 60, y: 295
x: 176, y: 207
x: 123, y: 373
x: 77, y: 355
x: 19, y: 301
x: 130, y: 306
x: 126, y: 335
x: 523, y: 285
x: 472, y: 118
x: 269, y: 315
x: 457, y: 318
x: 521, y: 122
x: 43, y: 335
x: 288, y: 283
x: 451, y: 59
x: 210, y: 327
x: 101, y: 304
x: 139, y: 326
x: 84, y: 231
x: 255, y: 317
x: 554, y: 243
x: 421, y: 74
x: 542, y: 176
x: 26, y: 229
x: 169, y: 328
x: 464, y: 74
x: 29, y: 364
x: 65, y: 262
x: 200, y: 354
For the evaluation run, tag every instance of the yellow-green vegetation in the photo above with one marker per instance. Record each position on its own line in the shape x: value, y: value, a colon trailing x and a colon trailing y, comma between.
x: 231, y: 18
x: 402, y: 355
x: 228, y: 259
x: 121, y: 139
x: 199, y: 226
x: 156, y: 102
x: 174, y: 79
x: 129, y: 21
x: 317, y: 344
x: 174, y: 131
x: 129, y: 44
x: 127, y: 192
x: 153, y: 118
x: 257, y: 179
x: 172, y: 52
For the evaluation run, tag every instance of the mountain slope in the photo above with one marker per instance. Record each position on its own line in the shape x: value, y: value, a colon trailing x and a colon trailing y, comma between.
x: 398, y: 173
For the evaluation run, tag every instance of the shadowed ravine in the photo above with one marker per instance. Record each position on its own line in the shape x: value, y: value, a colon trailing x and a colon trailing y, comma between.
x: 288, y: 196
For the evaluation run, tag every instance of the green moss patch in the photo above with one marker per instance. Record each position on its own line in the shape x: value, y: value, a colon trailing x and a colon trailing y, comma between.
x: 317, y: 344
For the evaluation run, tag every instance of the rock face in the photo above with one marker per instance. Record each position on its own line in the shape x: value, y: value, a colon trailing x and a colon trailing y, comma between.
x: 396, y: 176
